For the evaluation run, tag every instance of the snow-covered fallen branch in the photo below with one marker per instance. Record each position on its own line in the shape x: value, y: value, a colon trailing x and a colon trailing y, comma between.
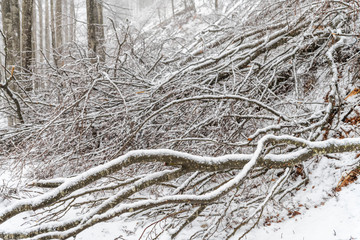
x: 177, y: 164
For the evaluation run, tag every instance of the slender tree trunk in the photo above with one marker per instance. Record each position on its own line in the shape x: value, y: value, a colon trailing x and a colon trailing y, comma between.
x: 66, y: 21
x: 11, y: 27
x: 101, y: 32
x: 35, y: 44
x: 47, y: 30
x: 58, y: 31
x: 34, y: 39
x: 39, y: 84
x: 216, y: 5
x: 91, y: 21
x: 58, y: 22
x: 72, y: 26
x: 53, y: 34
x: 41, y: 28
x: 96, y: 33
x: 26, y: 44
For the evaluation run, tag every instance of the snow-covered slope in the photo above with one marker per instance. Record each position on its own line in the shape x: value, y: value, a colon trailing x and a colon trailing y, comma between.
x: 337, y: 219
x: 321, y: 212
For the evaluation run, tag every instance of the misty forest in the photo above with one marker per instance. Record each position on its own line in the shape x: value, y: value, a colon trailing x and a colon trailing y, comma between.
x: 174, y: 119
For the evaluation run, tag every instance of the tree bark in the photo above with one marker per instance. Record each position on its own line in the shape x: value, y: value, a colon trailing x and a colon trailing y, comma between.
x: 47, y: 30
x: 34, y: 37
x: 95, y: 30
x: 41, y: 27
x: 72, y: 26
x: 65, y: 21
x: 11, y: 28
x: 27, y: 10
x: 53, y: 33
x: 91, y: 21
x: 58, y: 30
x: 101, y: 31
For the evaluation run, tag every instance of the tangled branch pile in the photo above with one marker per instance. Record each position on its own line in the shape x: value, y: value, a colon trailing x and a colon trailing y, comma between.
x: 285, y: 70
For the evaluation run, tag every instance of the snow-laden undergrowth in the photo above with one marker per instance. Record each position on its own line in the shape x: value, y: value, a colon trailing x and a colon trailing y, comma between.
x: 323, y: 213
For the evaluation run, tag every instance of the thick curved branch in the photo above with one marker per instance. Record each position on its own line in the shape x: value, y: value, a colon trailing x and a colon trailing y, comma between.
x: 107, y: 209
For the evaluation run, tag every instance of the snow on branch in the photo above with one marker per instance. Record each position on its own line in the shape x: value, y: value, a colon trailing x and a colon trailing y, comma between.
x: 178, y: 164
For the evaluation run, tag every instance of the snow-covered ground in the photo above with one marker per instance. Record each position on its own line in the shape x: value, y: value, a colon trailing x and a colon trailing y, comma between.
x: 337, y: 219
x: 324, y: 213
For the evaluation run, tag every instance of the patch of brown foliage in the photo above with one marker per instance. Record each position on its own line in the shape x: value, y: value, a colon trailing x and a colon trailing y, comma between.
x: 353, y: 120
x: 292, y: 214
x: 353, y: 92
x: 348, y: 179
x: 273, y: 219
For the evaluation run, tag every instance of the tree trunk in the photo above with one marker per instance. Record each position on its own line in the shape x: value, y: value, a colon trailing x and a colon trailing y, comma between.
x: 41, y: 28
x: 216, y: 5
x: 35, y: 44
x: 34, y: 39
x: 11, y: 28
x: 95, y: 30
x: 26, y: 44
x: 47, y: 30
x: 58, y: 30
x: 66, y: 21
x: 91, y: 21
x: 72, y: 26
x: 53, y: 42
x: 101, y: 32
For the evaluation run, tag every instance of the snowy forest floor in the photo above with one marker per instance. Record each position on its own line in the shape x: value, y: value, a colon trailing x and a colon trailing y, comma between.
x: 337, y: 219
x: 320, y: 212
x: 315, y: 212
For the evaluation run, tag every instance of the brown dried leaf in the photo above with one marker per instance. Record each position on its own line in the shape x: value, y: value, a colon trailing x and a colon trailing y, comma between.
x: 353, y: 92
x: 348, y: 179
